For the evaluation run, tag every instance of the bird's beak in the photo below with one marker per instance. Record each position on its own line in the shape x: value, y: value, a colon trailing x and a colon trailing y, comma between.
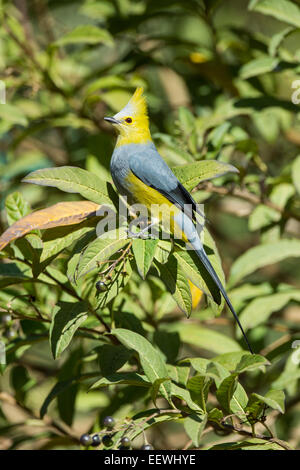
x: 111, y: 120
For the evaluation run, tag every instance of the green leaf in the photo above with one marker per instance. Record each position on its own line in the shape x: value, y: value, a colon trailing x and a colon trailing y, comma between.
x: 194, y: 425
x: 179, y: 373
x: 118, y: 281
x: 184, y: 395
x: 217, y: 136
x: 61, y: 387
x: 163, y: 250
x: 67, y: 318
x: 262, y: 216
x: 198, y: 385
x: 155, y: 388
x: 144, y: 251
x: 67, y: 398
x: 250, y: 362
x: 121, y: 378
x: 258, y: 66
x: 274, y: 399
x: 263, y: 255
x: 247, y: 444
x: 21, y: 382
x: 175, y: 280
x: 296, y: 173
x: 196, y: 272
x: 258, y: 310
x: 210, y: 340
x: 151, y: 360
x: 79, y: 246
x: 226, y: 390
x: 13, y: 273
x: 168, y: 343
x: 241, y: 295
x: 208, y: 368
x: 112, y: 357
x: 73, y: 180
x: 88, y: 34
x: 100, y: 250
x: 142, y: 423
x: 281, y: 194
x: 12, y: 114
x: 277, y: 39
x: 240, y: 361
x: 16, y: 207
x: 186, y: 120
x: 282, y: 10
x: 57, y: 239
x: 215, y: 415
x: 190, y: 175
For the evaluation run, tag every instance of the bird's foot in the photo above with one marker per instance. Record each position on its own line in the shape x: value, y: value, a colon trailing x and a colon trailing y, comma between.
x: 143, y: 234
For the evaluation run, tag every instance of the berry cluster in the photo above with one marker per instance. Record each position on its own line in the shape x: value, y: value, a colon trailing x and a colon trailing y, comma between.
x: 88, y: 440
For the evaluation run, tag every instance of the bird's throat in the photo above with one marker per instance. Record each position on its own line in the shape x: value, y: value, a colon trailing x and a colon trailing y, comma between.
x: 138, y: 137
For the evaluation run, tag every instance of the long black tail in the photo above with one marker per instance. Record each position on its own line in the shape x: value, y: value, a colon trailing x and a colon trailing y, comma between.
x: 204, y: 259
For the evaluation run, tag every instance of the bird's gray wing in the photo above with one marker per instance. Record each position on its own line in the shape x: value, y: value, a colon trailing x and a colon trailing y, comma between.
x: 154, y: 172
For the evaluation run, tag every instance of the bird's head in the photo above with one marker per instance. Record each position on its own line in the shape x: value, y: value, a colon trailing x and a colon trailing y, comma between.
x: 132, y: 121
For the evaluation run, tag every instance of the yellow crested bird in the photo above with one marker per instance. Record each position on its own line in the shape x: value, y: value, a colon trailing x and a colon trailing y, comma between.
x: 141, y: 174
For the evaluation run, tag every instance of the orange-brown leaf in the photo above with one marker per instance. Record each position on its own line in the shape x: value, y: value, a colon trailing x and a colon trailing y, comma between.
x: 63, y: 213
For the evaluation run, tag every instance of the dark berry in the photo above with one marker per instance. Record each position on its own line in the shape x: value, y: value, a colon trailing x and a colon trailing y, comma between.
x: 96, y: 441
x: 125, y: 441
x: 101, y: 286
x: 107, y: 440
x: 6, y: 318
x: 147, y: 447
x: 86, y: 440
x: 109, y: 422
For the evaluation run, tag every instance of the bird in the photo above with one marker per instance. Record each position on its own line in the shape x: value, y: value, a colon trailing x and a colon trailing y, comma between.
x: 142, y: 176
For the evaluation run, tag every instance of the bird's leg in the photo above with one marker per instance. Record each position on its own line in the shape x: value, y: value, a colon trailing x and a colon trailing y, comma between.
x: 142, y: 233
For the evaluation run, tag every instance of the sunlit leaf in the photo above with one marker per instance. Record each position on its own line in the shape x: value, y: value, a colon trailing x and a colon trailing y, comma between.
x: 175, y: 279
x: 73, y: 180
x: 67, y: 318
x: 88, y: 34
x: 100, y: 250
x: 263, y: 255
x: 62, y: 213
x: 144, y: 251
x: 283, y: 10
x: 16, y: 207
x: 194, y: 425
x: 193, y: 173
x: 151, y: 360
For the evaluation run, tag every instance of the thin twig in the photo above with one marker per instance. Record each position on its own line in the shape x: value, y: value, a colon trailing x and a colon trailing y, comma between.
x: 243, y: 193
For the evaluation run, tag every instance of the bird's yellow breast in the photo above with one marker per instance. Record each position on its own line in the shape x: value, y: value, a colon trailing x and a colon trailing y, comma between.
x: 165, y: 210
x: 145, y: 194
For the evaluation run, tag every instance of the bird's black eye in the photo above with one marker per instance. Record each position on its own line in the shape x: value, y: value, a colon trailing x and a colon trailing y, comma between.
x: 129, y: 120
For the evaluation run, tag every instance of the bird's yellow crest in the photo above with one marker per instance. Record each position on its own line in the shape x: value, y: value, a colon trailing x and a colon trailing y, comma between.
x: 132, y: 121
x: 138, y: 102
